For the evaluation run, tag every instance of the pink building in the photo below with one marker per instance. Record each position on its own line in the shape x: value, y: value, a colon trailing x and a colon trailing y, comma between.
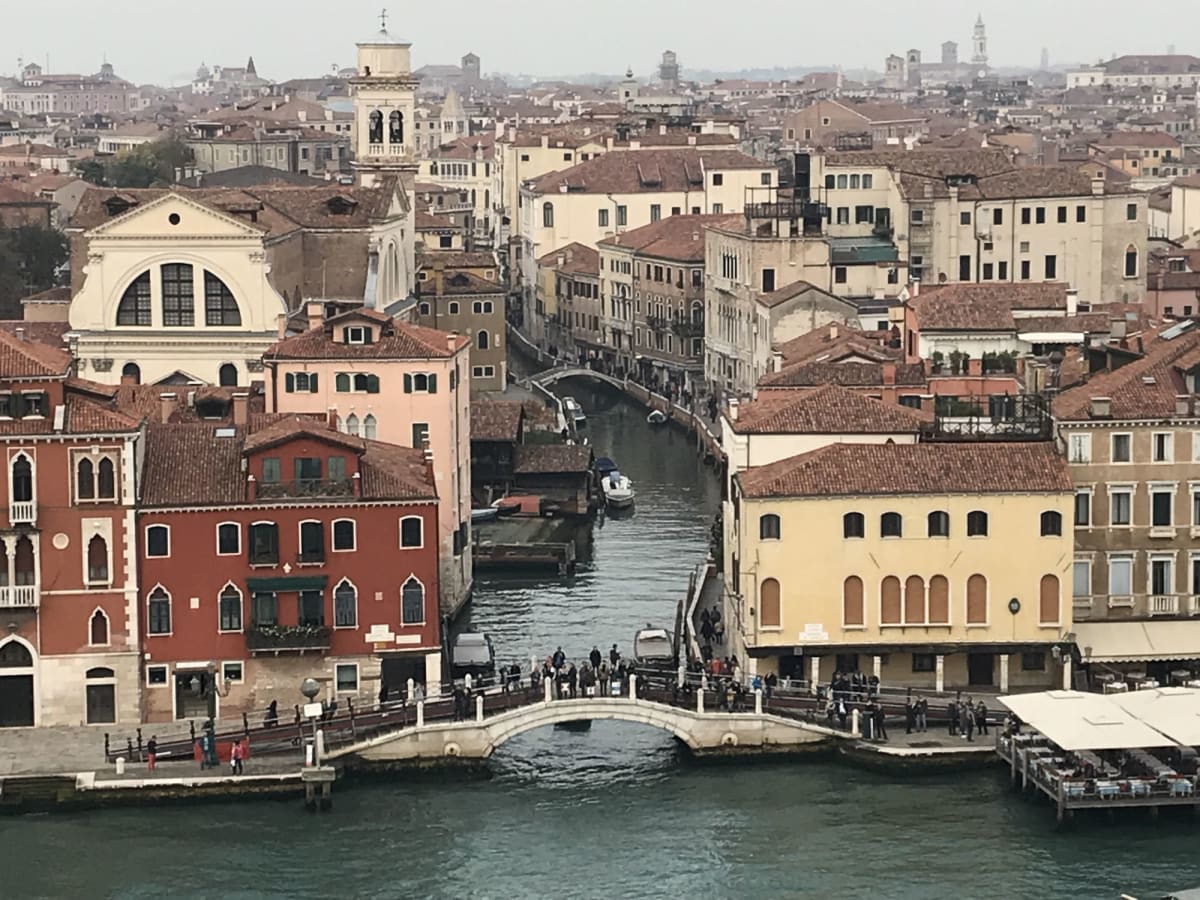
x: 394, y: 382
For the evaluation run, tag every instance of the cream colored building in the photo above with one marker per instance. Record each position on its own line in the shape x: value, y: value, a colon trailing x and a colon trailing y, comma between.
x: 627, y: 189
x: 930, y: 565
x: 1183, y: 221
x: 975, y: 216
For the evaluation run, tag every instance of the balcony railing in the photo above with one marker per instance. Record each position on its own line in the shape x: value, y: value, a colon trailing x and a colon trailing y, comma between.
x: 20, y: 596
x: 22, y: 512
x: 689, y: 328
x: 1135, y: 606
x: 287, y: 638
x: 310, y: 557
x: 305, y: 488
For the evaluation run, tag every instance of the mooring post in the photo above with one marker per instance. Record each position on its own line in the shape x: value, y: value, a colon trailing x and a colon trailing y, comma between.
x: 758, y: 702
x: 548, y: 684
x: 700, y: 700
x: 479, y: 707
x: 633, y: 686
x: 420, y: 713
x: 854, y: 723
x: 682, y: 675
x: 409, y: 688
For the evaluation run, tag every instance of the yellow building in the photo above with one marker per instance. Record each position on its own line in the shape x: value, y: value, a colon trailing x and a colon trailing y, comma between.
x: 937, y: 565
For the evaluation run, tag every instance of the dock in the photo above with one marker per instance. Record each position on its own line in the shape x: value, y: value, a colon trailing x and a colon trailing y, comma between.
x: 492, y: 557
x: 1096, y: 751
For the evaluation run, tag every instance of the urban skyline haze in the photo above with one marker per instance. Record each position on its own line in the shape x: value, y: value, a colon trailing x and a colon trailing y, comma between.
x: 547, y: 38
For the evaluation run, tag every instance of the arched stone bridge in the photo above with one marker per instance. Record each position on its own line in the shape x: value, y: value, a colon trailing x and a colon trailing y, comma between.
x: 552, y: 376
x: 703, y: 732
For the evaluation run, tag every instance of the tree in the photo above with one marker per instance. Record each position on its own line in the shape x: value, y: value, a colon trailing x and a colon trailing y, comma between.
x: 31, y: 260
x: 157, y: 162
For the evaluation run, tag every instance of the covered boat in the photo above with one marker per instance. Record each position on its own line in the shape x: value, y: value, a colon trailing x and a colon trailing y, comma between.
x: 618, y: 490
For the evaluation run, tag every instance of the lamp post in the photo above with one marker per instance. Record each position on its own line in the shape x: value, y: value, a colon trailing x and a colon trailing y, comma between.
x: 309, y: 687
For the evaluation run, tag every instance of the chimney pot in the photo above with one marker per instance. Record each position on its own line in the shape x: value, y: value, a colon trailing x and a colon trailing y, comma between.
x: 1183, y: 405
x: 889, y: 373
x: 833, y: 332
x: 315, y: 310
x: 20, y: 333
x: 733, y: 410
x: 241, y: 408
x: 281, y: 322
x: 1072, y: 302
x: 1100, y: 408
x: 167, y: 404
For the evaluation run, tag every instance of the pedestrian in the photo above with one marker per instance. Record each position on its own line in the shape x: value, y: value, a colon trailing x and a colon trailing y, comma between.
x: 952, y: 717
x: 910, y: 714
x: 922, y: 715
x: 769, y: 685
x: 880, y: 723
x: 596, y: 657
x: 271, y: 719
x: 968, y: 721
x: 572, y: 679
x: 151, y: 752
x: 559, y: 659
x: 604, y: 673
x: 842, y: 714
x: 981, y: 717
x: 613, y: 656
x: 237, y: 756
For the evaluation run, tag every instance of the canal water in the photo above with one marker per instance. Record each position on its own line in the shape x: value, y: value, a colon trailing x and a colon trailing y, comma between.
x: 617, y: 811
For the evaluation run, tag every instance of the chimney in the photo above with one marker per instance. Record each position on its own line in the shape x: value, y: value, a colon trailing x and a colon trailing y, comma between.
x: 888, y: 370
x: 1183, y: 406
x: 1116, y: 328
x: 356, y: 484
x: 833, y: 331
x: 281, y: 322
x: 776, y: 361
x: 662, y: 129
x: 251, y: 488
x: 315, y: 310
x: 20, y: 333
x: 331, y: 417
x: 1072, y: 301
x: 168, y: 402
x: 241, y: 408
x: 1100, y: 408
x: 429, y: 462
x: 452, y: 341
x: 914, y: 290
x: 733, y: 410
x: 974, y: 367
x: 1097, y: 187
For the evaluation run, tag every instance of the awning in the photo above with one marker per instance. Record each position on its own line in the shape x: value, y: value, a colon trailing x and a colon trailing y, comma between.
x: 1078, y: 721
x: 1138, y: 641
x: 1174, y: 711
x: 285, y: 583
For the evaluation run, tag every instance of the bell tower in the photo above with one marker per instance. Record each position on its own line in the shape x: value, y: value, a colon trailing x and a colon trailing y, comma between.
x: 384, y: 109
x: 979, y: 42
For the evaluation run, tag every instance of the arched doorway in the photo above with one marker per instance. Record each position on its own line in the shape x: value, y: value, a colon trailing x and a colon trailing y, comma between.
x: 16, y: 684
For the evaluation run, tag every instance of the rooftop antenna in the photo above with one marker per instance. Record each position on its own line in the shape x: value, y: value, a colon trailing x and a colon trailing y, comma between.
x: 383, y: 20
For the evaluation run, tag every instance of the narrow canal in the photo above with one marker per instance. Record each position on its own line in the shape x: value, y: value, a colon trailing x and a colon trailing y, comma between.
x: 617, y: 811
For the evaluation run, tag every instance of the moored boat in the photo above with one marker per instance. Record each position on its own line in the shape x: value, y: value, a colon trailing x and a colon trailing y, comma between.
x: 484, y: 515
x: 572, y: 408
x: 618, y: 490
x: 657, y: 417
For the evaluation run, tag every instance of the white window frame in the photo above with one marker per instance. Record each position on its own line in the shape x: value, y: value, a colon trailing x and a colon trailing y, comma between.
x: 1196, y: 446
x: 233, y: 662
x: 1127, y: 558
x: 359, y: 331
x: 424, y: 597
x: 1151, y: 559
x: 241, y: 605
x: 1090, y: 493
x: 217, y: 538
x: 1169, y: 446
x: 333, y: 599
x: 86, y: 541
x: 1112, y: 448
x: 333, y: 531
x: 159, y: 586
x: 146, y: 537
x: 107, y: 627
x: 300, y: 542
x: 1161, y: 488
x: 94, y: 455
x: 337, y: 667
x: 1079, y: 447
x: 1120, y: 489
x: 400, y: 535
x: 166, y: 676
x: 1081, y: 561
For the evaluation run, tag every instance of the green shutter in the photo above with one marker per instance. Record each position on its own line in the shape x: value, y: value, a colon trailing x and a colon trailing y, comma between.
x: 433, y: 384
x: 407, y: 383
x: 312, y: 383
x: 289, y: 383
x: 342, y: 382
x: 373, y: 384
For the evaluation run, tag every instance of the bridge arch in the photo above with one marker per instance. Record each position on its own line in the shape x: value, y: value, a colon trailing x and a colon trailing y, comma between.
x: 504, y: 728
x: 553, y: 376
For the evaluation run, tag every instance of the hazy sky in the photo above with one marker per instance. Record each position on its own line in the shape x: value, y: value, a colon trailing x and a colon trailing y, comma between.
x: 165, y: 40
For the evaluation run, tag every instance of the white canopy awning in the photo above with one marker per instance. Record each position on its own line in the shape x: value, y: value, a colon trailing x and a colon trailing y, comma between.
x: 1174, y: 711
x: 1079, y: 721
x: 1138, y: 641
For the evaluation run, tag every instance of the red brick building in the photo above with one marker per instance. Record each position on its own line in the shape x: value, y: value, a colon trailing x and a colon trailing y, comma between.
x: 275, y: 549
x: 68, y: 571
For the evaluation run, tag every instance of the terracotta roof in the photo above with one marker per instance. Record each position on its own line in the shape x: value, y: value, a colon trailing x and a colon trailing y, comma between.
x: 30, y: 358
x: 11, y: 196
x: 787, y: 292
x: 846, y: 374
x: 87, y: 417
x: 851, y: 470
x: 397, y: 340
x: 677, y: 238
x: 836, y: 341
x: 828, y: 409
x: 927, y: 163
x: 1147, y: 139
x: 1143, y: 389
x: 496, y: 420
x: 577, y: 259
x: 199, y: 464
x: 644, y: 171
x: 455, y: 259
x: 552, y: 459
x: 459, y: 282
x: 983, y: 307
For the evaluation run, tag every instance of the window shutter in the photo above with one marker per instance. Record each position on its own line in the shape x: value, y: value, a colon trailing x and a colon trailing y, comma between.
x: 342, y: 381
x: 345, y: 335
x: 433, y: 384
x: 289, y: 382
x: 407, y: 383
x: 372, y: 384
x: 312, y: 383
x: 367, y: 335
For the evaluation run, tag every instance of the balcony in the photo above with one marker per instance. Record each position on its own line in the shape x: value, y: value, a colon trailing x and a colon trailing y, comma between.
x: 305, y: 488
x: 1120, y: 607
x: 22, y: 512
x: 21, y: 596
x: 287, y: 638
x: 689, y: 328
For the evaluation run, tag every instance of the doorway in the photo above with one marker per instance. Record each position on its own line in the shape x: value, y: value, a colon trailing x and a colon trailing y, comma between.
x: 191, y: 694
x: 397, y: 670
x: 101, y: 697
x: 16, y: 685
x: 979, y: 669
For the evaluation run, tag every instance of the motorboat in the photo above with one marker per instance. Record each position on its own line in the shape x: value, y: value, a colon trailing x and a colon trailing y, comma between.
x: 657, y: 417
x: 572, y: 408
x: 618, y: 490
x: 484, y: 515
x: 654, y: 649
x: 472, y: 654
x: 507, y: 506
x: 604, y: 466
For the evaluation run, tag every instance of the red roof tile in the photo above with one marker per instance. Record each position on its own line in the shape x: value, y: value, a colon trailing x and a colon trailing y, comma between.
x: 397, y: 340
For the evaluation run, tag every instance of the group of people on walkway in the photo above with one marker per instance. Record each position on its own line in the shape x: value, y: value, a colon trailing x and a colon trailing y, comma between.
x: 712, y: 630
x: 966, y: 718
x: 916, y: 714
x: 594, y: 676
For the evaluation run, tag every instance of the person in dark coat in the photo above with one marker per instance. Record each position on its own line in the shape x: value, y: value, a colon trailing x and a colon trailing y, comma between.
x: 596, y: 657
x: 880, y: 723
x: 981, y: 717
x: 952, y: 716
x: 910, y: 714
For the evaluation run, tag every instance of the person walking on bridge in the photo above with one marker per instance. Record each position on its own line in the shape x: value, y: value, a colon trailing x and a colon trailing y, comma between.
x: 559, y: 659
x: 614, y: 656
x: 595, y: 657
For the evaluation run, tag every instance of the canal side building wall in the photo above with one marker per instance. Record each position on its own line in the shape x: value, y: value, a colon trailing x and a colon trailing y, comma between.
x: 936, y: 566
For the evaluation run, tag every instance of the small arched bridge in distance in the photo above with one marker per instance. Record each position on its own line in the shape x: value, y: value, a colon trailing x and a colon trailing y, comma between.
x: 553, y: 376
x: 704, y: 732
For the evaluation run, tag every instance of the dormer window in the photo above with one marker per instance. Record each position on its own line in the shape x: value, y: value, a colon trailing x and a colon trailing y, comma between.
x: 356, y: 334
x: 116, y: 204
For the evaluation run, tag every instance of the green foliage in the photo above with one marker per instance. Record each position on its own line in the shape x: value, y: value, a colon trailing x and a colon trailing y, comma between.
x: 31, y: 258
x: 147, y: 165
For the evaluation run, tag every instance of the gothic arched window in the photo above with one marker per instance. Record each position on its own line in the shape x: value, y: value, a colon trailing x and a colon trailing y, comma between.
x: 396, y: 127
x: 375, y: 131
